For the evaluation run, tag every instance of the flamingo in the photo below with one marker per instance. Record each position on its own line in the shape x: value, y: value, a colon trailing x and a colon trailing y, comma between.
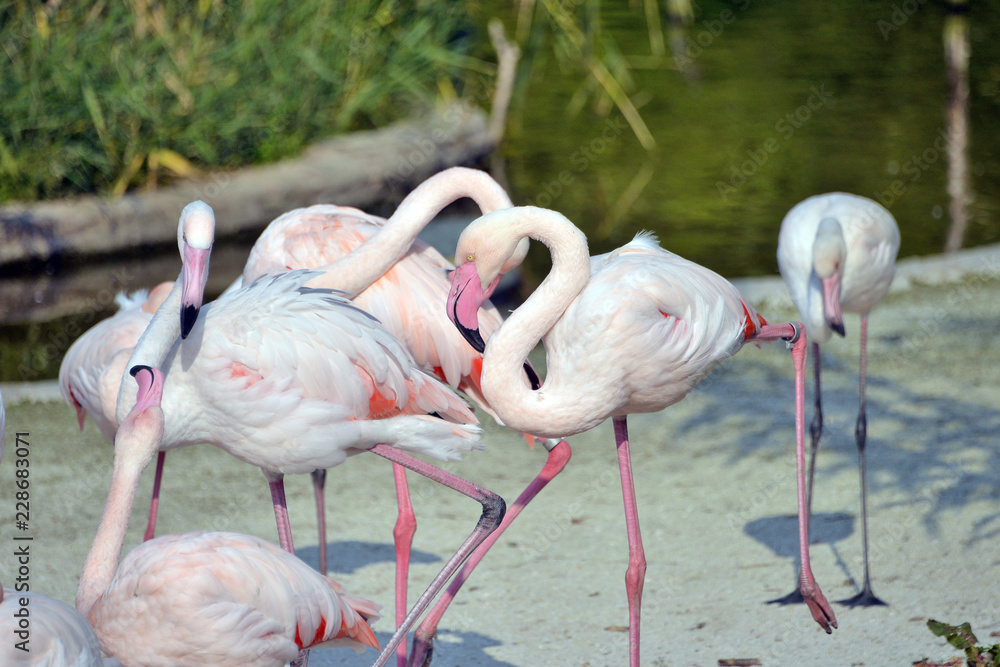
x: 92, y: 368
x: 403, y: 282
x: 291, y: 379
x: 837, y: 254
x: 203, y: 598
x: 57, y: 635
x: 627, y: 332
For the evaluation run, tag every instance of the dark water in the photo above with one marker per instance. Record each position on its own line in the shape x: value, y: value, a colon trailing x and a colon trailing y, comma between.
x: 780, y: 101
x: 787, y: 100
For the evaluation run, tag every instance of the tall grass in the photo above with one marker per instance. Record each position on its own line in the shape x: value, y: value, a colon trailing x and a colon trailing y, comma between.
x: 102, y: 96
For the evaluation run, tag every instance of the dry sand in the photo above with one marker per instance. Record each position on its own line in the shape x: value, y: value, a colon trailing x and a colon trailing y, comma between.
x: 716, y: 493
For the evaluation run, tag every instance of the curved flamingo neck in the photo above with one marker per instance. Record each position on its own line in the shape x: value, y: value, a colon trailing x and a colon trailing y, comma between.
x: 519, y: 406
x: 131, y: 458
x: 372, y: 259
x: 153, y: 346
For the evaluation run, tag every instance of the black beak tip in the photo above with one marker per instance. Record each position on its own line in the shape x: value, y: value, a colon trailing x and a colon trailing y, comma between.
x: 139, y: 367
x: 839, y: 328
x: 189, y: 315
x: 536, y: 382
x: 474, y: 337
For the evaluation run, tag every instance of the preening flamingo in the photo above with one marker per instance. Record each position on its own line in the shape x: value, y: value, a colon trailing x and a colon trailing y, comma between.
x: 837, y: 254
x: 92, y: 368
x: 630, y: 331
x: 292, y: 379
x: 203, y: 598
x: 39, y: 630
x: 403, y: 282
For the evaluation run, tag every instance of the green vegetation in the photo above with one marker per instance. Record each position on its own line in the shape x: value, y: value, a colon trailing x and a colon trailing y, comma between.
x: 100, y: 97
x: 961, y: 636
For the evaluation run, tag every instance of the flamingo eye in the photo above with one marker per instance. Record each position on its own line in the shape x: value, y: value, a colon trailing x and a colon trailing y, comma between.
x: 470, y: 257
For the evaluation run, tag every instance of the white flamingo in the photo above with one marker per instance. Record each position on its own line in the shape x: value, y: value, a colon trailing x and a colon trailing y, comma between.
x: 837, y: 254
x: 630, y: 331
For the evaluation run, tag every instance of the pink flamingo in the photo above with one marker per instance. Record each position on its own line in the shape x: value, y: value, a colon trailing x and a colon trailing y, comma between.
x: 837, y: 254
x: 92, y: 368
x: 292, y: 379
x: 203, y: 598
x: 398, y: 278
x: 630, y: 331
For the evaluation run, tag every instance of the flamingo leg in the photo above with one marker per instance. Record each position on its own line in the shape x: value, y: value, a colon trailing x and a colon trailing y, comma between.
x: 866, y: 598
x: 281, y: 513
x: 319, y: 491
x: 493, y: 512
x: 795, y: 335
x: 406, y: 526
x: 815, y: 432
x: 423, y: 640
x: 635, y: 575
x: 285, y: 540
x: 154, y: 504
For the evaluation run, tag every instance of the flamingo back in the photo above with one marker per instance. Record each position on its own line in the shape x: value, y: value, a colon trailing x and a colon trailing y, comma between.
x: 277, y: 363
x: 405, y: 299
x: 224, y: 599
x: 678, y: 319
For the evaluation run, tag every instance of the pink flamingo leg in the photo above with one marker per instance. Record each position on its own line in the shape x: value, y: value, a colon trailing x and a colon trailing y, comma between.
x: 635, y: 575
x: 319, y: 492
x: 821, y: 611
x: 285, y: 540
x: 493, y: 511
x: 154, y: 504
x: 423, y: 640
x: 281, y: 514
x: 406, y: 526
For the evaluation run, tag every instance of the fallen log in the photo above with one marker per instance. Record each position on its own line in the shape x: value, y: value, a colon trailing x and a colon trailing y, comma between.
x: 360, y: 169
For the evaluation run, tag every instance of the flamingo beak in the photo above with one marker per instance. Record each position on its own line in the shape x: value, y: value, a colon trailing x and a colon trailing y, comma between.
x: 150, y: 381
x: 194, y: 277
x: 831, y: 302
x: 464, y: 299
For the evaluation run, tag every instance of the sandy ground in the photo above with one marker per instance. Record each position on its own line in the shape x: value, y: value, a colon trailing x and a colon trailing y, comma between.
x: 716, y: 493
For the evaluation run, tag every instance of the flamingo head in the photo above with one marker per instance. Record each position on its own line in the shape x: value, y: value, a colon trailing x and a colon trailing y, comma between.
x: 482, y: 258
x: 141, y: 431
x: 195, y: 235
x: 829, y: 252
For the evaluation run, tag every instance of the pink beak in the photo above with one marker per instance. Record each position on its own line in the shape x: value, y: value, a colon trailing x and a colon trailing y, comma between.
x: 150, y: 381
x: 464, y: 299
x: 193, y: 278
x: 831, y: 302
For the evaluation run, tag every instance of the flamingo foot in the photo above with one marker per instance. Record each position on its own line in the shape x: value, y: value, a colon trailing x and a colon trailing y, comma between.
x: 821, y: 610
x: 422, y: 650
x: 866, y: 598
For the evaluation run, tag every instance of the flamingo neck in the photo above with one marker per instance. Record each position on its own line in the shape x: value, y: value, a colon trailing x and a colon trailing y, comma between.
x: 355, y: 272
x: 105, y: 551
x: 542, y: 412
x: 152, y: 348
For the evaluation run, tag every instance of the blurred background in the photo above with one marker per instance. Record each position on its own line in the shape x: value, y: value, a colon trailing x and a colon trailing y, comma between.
x: 703, y: 122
